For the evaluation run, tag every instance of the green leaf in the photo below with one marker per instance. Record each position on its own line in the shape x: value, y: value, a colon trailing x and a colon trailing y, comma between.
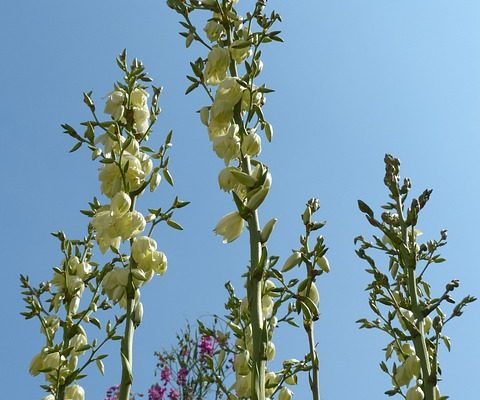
x: 168, y: 177
x: 76, y: 147
x: 174, y: 225
x: 100, y: 366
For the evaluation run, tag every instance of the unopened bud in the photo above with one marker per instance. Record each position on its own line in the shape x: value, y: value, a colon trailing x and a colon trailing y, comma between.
x: 323, y: 263
x: 257, y: 199
x: 292, y: 261
x: 267, y: 230
x: 137, y: 313
x: 155, y: 181
x: 204, y: 115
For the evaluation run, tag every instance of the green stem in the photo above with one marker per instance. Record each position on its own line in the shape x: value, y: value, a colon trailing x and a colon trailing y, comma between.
x: 314, y: 384
x: 255, y: 274
x: 126, y: 348
x: 419, y: 341
x: 126, y: 352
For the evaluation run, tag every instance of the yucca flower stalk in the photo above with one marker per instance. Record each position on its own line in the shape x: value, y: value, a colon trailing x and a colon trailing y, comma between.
x: 400, y: 297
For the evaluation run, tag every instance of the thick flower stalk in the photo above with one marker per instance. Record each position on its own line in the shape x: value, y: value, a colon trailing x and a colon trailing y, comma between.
x: 118, y: 227
x: 402, y: 300
x: 234, y: 119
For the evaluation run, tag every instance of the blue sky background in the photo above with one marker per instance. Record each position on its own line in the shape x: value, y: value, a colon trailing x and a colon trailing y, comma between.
x: 355, y: 79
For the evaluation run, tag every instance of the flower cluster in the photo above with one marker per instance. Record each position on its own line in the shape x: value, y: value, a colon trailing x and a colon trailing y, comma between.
x: 401, y: 298
x: 127, y: 170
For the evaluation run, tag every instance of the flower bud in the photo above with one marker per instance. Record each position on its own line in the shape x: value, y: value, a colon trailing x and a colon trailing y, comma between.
x: 36, y: 364
x: 74, y: 304
x: 214, y: 30
x: 292, y: 261
x: 268, y: 131
x: 323, y: 263
x: 312, y: 294
x: 271, y: 382
x: 243, y: 386
x: 137, y: 315
x: 240, y: 363
x: 428, y: 324
x: 412, y: 365
x: 155, y: 181
x: 267, y: 230
x: 257, y: 199
x: 285, y: 394
x: 204, y: 115
x: 270, y: 351
x: 291, y: 380
x: 415, y: 393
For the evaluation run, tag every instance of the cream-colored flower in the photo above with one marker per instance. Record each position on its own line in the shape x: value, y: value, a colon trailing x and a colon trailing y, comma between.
x: 415, y: 393
x: 226, y: 180
x: 240, y: 50
x: 218, y: 62
x: 227, y: 146
x: 214, y: 30
x: 285, y: 394
x: 230, y: 227
x: 270, y: 351
x: 115, y: 104
x: 230, y: 91
x: 141, y: 116
x: 37, y: 363
x: 240, y: 363
x: 243, y: 386
x: 106, y: 233
x: 121, y: 203
x: 74, y: 392
x: 138, y: 97
x: 77, y: 342
x: 271, y: 383
x: 130, y: 224
x: 252, y: 144
x: 115, y: 283
x: 80, y: 269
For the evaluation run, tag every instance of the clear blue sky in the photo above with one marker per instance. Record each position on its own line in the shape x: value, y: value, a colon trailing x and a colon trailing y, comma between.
x: 355, y: 79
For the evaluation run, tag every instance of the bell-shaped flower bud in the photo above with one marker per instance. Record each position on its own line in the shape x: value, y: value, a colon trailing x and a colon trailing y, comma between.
x: 267, y: 230
x: 243, y: 386
x: 312, y: 293
x: 415, y: 393
x: 412, y: 365
x: 155, y: 181
x: 271, y: 383
x: 137, y: 315
x: 204, y: 115
x: 214, y: 30
x: 270, y: 351
x: 240, y: 363
x: 323, y: 263
x: 257, y: 199
x: 292, y: 261
x: 37, y: 363
x: 285, y: 394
